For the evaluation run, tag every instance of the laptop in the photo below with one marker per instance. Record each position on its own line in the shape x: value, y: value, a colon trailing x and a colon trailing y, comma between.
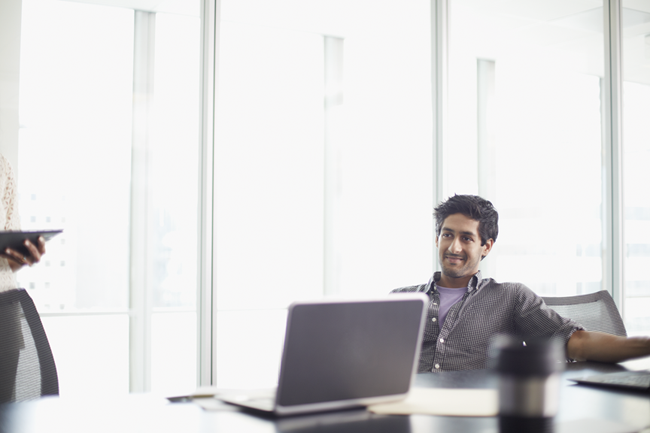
x: 632, y: 380
x: 343, y: 354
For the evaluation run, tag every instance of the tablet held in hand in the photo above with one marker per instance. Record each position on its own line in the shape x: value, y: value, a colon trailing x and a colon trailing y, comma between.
x: 16, y: 239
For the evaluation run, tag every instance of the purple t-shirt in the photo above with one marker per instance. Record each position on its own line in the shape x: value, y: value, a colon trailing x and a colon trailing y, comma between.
x: 448, y: 297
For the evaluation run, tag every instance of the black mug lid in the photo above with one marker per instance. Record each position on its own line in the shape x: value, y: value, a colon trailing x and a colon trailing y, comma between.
x: 537, y: 357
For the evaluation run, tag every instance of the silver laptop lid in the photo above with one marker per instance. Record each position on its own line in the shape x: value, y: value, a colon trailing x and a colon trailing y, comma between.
x: 343, y: 353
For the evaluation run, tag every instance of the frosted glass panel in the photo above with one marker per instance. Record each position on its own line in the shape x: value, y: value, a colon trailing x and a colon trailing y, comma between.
x: 385, y: 175
x: 173, y: 352
x: 323, y: 164
x: 636, y: 158
x: 249, y: 348
x: 75, y: 173
x: 75, y: 151
x: 173, y: 162
x: 91, y: 353
x: 269, y: 167
x: 525, y: 132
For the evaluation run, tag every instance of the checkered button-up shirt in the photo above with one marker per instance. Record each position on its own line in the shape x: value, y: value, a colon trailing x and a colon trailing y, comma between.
x: 487, y: 309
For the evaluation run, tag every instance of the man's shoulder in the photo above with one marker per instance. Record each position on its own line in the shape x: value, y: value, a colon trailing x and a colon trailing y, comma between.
x: 508, y: 291
x: 416, y: 288
x: 507, y: 285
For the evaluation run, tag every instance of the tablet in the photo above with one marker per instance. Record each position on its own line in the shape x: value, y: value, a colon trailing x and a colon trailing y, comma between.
x: 15, y: 239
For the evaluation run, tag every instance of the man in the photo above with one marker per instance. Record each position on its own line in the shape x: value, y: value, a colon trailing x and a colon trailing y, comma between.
x: 467, y: 310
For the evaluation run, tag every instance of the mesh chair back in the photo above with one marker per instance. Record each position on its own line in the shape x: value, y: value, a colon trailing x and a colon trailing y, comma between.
x: 27, y: 369
x: 594, y: 311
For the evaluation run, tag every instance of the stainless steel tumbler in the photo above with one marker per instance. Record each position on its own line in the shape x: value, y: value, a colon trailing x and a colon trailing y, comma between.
x: 529, y: 381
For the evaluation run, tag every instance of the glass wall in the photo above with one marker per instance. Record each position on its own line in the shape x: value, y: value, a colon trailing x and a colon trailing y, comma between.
x: 525, y: 132
x: 322, y: 171
x: 173, y: 179
x: 117, y: 170
x: 323, y: 156
x: 323, y: 183
x: 636, y: 155
x: 74, y: 174
x: 268, y: 191
x: 526, y: 121
x: 322, y: 176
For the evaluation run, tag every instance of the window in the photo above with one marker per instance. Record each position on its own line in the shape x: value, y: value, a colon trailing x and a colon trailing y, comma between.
x: 322, y: 151
x: 268, y: 192
x: 525, y: 132
x: 546, y: 140
x: 117, y: 170
x: 322, y: 166
x: 636, y: 154
x: 74, y: 162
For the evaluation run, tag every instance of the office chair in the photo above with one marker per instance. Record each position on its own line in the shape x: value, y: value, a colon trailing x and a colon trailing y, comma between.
x: 27, y: 369
x: 594, y: 311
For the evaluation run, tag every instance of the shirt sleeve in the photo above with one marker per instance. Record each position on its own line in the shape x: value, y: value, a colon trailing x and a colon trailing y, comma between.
x: 534, y: 319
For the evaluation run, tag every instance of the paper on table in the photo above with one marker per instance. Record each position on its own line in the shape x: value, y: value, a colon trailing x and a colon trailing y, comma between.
x: 443, y: 401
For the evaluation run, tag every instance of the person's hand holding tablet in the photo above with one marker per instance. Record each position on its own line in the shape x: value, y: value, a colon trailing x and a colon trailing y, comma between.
x: 30, y: 255
x: 22, y: 248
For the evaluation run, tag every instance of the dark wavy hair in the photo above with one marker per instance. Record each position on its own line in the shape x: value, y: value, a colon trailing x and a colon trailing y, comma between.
x: 474, y: 207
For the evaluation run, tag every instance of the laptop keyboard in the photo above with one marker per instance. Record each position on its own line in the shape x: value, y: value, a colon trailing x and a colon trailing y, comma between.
x: 639, y: 380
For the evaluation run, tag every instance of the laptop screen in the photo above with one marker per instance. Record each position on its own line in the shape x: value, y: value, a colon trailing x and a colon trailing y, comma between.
x: 338, y: 351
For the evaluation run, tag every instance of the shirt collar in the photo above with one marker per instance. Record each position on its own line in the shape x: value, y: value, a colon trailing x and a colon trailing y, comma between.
x: 473, y: 282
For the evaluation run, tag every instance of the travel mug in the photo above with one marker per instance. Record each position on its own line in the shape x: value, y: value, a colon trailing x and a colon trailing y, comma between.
x: 529, y: 382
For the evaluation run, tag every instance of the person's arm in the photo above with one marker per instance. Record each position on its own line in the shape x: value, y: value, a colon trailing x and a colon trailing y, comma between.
x: 16, y: 260
x: 598, y: 346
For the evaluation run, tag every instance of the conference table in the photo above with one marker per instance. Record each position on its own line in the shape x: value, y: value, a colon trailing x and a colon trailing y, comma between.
x: 582, y: 408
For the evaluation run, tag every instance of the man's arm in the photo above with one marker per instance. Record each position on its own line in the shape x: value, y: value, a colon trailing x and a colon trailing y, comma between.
x: 598, y: 346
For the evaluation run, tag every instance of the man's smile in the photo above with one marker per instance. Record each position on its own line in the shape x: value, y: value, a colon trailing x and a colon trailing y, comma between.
x: 454, y: 259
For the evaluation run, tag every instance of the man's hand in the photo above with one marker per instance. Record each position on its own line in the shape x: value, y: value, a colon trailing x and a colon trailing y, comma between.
x: 17, y: 260
x: 598, y: 346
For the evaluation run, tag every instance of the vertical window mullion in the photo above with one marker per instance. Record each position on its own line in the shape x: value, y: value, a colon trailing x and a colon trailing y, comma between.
x: 440, y: 66
x: 210, y: 21
x: 613, y: 151
x: 486, y: 141
x: 333, y: 102
x: 139, y: 294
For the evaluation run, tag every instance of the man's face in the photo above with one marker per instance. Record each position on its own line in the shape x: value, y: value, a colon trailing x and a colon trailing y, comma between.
x: 460, y: 250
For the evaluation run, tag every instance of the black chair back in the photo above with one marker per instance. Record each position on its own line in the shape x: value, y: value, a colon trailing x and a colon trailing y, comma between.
x: 27, y: 368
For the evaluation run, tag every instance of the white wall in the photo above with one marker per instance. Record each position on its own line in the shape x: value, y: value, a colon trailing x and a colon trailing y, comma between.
x: 10, y: 16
